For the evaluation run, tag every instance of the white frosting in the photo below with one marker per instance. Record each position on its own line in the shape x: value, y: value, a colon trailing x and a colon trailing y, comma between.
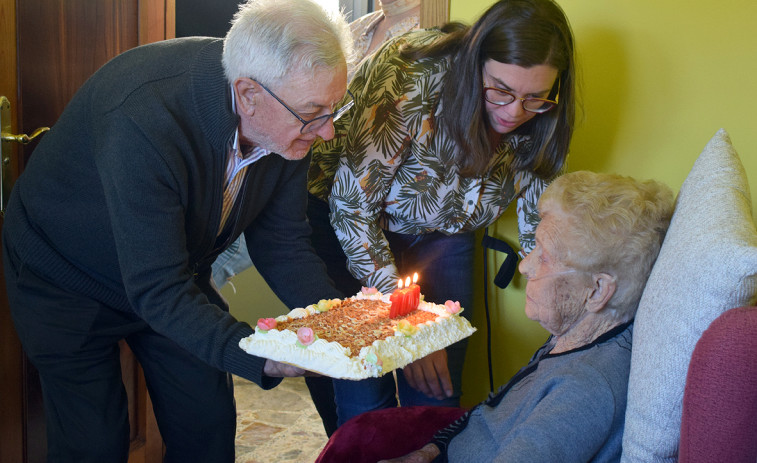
x: 332, y: 359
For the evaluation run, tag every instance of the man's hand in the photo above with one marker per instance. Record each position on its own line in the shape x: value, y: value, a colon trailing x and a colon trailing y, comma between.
x: 276, y: 369
x: 424, y: 455
x: 430, y: 375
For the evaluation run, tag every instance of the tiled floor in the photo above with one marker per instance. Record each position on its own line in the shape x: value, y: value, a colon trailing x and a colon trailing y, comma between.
x: 279, y: 425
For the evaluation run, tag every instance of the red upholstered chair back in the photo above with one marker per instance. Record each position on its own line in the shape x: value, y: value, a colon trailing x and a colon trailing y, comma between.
x: 719, y: 422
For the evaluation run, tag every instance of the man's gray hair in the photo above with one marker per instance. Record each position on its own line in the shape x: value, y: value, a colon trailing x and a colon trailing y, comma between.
x: 269, y: 38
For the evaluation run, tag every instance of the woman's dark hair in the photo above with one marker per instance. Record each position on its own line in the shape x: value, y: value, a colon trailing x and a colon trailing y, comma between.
x: 525, y: 33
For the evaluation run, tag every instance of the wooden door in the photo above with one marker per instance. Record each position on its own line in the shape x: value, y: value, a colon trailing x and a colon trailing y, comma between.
x: 48, y: 48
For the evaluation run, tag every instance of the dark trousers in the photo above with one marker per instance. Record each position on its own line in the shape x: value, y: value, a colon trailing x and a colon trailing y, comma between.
x: 328, y: 248
x: 73, y: 343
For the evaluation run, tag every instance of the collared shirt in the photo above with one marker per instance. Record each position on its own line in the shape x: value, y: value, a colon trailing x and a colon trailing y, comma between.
x: 236, y: 166
x: 387, y: 170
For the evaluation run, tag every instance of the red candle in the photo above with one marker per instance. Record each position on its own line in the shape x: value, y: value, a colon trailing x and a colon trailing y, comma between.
x: 398, y: 299
x: 415, y: 293
x: 405, y: 299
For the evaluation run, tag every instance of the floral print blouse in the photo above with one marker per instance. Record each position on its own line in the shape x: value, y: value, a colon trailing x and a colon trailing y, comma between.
x: 384, y: 169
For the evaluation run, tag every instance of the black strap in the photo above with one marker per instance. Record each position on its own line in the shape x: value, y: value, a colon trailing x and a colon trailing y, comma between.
x: 503, y: 278
x: 507, y: 269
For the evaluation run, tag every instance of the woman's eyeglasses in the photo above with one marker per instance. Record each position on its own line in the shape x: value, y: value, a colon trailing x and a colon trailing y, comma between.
x: 501, y: 97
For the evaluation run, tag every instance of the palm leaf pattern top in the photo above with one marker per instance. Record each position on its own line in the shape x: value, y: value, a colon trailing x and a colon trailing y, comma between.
x: 384, y: 169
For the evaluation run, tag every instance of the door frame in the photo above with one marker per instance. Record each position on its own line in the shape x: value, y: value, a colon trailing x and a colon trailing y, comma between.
x: 11, y: 356
x: 155, y: 21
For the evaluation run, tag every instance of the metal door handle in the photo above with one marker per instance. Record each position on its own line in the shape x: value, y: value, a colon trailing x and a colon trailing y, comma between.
x: 23, y: 138
x: 5, y: 160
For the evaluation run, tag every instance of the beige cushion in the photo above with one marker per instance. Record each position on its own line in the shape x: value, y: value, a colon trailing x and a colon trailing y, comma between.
x: 707, y: 265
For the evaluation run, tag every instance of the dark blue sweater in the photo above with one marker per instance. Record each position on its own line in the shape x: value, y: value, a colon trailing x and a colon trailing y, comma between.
x: 121, y: 202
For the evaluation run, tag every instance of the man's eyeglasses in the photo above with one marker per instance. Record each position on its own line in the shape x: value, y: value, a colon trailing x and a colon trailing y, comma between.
x: 501, y: 97
x: 314, y: 124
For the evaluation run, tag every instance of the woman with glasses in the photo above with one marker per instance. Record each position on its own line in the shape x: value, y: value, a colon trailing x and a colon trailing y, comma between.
x: 448, y: 128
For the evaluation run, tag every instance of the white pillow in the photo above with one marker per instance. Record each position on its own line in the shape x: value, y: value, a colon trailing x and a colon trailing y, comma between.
x: 707, y: 265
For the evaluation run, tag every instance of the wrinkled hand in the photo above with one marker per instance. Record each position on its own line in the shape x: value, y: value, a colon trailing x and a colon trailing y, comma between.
x: 424, y: 455
x: 430, y: 375
x: 276, y: 369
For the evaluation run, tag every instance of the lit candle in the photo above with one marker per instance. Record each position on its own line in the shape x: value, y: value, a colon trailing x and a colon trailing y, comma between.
x: 405, y: 298
x: 415, y: 293
x: 407, y: 307
x: 397, y: 298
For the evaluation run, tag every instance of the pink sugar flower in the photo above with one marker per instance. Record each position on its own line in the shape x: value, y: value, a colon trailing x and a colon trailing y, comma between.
x: 368, y: 291
x: 452, y: 307
x: 266, y: 324
x: 305, y: 336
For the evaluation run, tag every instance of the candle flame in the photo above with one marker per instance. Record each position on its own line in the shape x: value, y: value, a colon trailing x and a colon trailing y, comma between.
x: 415, y: 277
x: 399, y: 283
x: 407, y: 281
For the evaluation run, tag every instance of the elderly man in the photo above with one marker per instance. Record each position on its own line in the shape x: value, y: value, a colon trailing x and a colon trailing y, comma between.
x: 596, y: 243
x: 164, y: 157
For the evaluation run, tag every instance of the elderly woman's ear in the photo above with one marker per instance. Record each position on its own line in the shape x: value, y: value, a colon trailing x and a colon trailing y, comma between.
x: 602, y: 288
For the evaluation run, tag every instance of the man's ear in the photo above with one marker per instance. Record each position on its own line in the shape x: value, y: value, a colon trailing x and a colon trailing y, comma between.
x: 247, y: 95
x: 602, y: 290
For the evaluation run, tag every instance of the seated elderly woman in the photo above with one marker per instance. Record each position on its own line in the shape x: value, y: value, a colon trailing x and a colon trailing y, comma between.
x: 596, y: 243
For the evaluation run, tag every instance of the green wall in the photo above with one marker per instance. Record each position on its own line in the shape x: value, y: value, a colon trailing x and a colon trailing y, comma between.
x: 658, y: 80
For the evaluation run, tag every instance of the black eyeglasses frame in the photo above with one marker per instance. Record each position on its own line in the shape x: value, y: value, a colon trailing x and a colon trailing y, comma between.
x: 314, y: 124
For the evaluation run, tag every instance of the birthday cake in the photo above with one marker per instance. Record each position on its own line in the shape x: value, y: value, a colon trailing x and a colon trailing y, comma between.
x: 358, y: 337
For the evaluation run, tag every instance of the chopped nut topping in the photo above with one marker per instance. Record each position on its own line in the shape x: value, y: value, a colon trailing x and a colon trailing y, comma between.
x: 355, y: 323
